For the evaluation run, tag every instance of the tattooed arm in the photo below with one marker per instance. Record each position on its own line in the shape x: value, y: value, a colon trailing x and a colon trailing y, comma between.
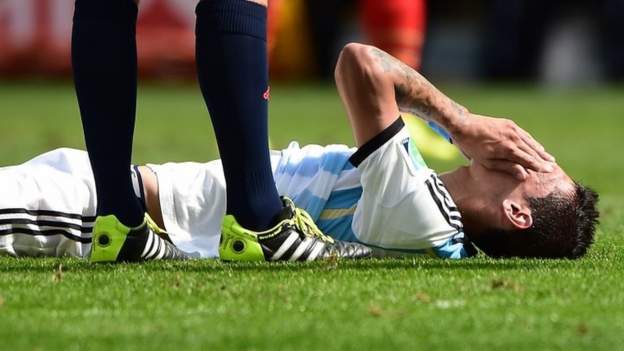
x: 375, y: 86
x: 414, y: 94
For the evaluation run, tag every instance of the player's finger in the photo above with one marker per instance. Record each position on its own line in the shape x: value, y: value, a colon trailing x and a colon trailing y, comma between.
x: 519, y: 156
x: 508, y: 167
x: 535, y: 145
x: 536, y: 162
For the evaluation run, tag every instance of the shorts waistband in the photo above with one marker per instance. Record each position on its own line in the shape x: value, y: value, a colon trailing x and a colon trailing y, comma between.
x: 137, y: 185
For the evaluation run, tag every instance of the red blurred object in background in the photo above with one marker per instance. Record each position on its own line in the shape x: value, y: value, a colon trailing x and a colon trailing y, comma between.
x: 35, y: 35
x: 396, y: 26
x: 166, y: 38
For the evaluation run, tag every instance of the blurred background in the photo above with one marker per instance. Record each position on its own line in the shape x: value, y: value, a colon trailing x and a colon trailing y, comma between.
x: 554, y: 66
x: 554, y: 42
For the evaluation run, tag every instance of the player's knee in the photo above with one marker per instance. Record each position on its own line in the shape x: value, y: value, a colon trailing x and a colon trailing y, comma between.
x: 356, y: 63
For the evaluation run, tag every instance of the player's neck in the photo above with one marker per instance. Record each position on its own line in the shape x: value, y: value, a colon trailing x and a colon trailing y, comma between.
x: 459, y: 184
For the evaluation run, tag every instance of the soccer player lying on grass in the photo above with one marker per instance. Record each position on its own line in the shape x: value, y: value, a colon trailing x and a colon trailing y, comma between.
x: 381, y: 194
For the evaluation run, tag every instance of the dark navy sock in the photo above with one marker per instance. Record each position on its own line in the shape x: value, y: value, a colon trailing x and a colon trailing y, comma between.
x: 105, y: 74
x: 233, y: 76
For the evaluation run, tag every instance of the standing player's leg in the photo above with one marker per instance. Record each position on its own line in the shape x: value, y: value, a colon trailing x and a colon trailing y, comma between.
x: 104, y: 62
x: 233, y: 76
x: 105, y: 73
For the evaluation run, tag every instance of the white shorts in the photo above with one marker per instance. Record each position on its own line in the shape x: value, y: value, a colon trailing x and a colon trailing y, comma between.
x: 47, y: 205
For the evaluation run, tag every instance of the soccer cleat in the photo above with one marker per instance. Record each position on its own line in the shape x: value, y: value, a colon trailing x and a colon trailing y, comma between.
x: 114, y: 242
x: 294, y: 238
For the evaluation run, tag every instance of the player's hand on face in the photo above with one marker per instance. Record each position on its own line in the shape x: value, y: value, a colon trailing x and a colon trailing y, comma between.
x: 499, y: 144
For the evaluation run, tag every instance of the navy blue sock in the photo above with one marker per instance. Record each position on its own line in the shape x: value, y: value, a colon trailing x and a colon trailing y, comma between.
x: 233, y: 76
x: 105, y: 74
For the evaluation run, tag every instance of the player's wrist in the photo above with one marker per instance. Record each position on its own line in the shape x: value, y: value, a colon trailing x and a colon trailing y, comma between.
x: 457, y: 120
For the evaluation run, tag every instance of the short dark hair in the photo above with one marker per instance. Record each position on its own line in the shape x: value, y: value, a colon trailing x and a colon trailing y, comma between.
x: 563, y: 227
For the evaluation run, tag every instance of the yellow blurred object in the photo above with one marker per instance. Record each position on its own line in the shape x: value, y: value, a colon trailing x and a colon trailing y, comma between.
x: 430, y: 144
x: 291, y: 53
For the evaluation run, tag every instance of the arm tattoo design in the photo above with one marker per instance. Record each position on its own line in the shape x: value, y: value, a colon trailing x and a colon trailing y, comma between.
x: 413, y: 93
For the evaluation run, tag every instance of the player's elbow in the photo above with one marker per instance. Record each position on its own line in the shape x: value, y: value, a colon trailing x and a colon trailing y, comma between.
x: 357, y: 64
x: 351, y: 57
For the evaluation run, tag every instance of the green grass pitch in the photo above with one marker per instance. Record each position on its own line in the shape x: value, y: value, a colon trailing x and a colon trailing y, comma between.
x: 393, y: 304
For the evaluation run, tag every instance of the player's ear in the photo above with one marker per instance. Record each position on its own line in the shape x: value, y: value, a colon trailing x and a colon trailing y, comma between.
x: 517, y: 214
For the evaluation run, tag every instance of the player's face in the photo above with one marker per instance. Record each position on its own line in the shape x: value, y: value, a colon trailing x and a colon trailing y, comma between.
x: 537, y: 185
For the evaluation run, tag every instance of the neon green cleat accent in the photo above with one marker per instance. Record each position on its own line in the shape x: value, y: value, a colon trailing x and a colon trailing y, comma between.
x: 238, y: 243
x: 109, y: 235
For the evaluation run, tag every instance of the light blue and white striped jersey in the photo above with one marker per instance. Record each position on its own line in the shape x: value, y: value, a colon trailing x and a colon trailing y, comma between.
x: 321, y: 180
